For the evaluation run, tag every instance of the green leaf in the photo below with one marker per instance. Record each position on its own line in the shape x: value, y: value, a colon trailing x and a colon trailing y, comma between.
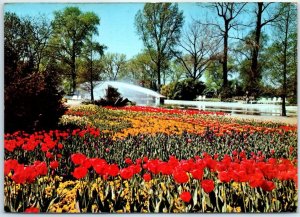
x: 195, y: 199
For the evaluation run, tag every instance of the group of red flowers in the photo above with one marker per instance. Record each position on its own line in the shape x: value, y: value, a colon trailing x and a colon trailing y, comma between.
x: 44, y: 140
x: 149, y: 109
x: 257, y: 170
x: 25, y: 174
x: 257, y: 173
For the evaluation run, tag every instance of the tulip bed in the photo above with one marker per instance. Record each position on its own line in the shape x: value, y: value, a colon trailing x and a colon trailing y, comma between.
x: 143, y: 159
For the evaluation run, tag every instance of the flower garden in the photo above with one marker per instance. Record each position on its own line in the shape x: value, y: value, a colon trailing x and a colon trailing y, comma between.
x: 144, y: 159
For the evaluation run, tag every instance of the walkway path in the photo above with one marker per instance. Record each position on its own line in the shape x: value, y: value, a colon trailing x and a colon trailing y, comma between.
x: 278, y: 119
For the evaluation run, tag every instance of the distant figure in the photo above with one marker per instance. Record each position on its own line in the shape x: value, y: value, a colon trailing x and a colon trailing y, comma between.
x: 247, y: 97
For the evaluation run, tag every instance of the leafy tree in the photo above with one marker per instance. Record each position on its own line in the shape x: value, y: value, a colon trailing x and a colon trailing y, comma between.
x: 244, y: 55
x: 282, y: 64
x: 177, y: 71
x: 25, y: 43
x: 89, y: 70
x: 32, y: 97
x: 159, y: 26
x: 187, y: 89
x: 71, y: 28
x: 214, y: 76
x: 141, y: 70
x: 114, y: 65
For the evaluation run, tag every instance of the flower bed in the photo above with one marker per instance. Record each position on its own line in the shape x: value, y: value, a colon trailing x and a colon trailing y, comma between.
x: 140, y: 159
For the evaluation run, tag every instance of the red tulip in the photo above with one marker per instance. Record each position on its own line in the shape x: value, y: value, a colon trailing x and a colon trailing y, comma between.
x: 165, y: 168
x: 128, y: 161
x: 147, y: 177
x: 186, y: 196
x: 153, y: 166
x: 234, y: 153
x: 208, y: 185
x: 197, y: 173
x: 135, y: 168
x: 49, y: 155
x: 80, y: 172
x: 86, y: 163
x: 113, y: 170
x: 30, y: 174
x: 32, y: 210
x: 78, y: 158
x: 224, y: 176
x: 54, y: 164
x: 41, y: 168
x: 9, y: 165
x: 145, y: 159
x: 126, y: 173
x: 19, y: 175
x: 256, y: 180
x: 138, y: 161
x: 180, y: 176
x: 59, y: 156
x: 268, y: 185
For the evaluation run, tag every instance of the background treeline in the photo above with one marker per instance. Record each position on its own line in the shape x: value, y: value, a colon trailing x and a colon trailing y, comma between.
x: 246, y: 49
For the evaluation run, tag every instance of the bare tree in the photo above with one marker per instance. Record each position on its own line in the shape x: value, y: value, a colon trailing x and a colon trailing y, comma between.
x: 255, y: 74
x: 228, y: 12
x: 199, y: 46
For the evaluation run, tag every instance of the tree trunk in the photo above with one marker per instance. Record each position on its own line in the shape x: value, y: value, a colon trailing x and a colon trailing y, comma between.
x: 91, y: 77
x: 73, y: 69
x: 158, y: 74
x: 255, y: 73
x: 195, y: 65
x: 225, y: 92
x: 225, y: 57
x: 285, y: 44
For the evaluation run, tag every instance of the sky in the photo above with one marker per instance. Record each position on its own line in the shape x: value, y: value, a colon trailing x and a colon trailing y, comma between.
x: 116, y: 30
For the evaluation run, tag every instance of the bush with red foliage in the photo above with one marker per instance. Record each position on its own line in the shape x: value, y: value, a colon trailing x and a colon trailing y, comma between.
x: 33, y: 102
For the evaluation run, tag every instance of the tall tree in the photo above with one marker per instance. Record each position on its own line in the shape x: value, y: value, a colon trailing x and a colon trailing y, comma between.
x: 282, y: 65
x: 199, y: 46
x: 255, y: 73
x: 89, y: 69
x: 114, y: 65
x: 214, y: 75
x: 32, y: 97
x: 227, y: 12
x: 70, y: 28
x: 159, y: 26
x: 142, y: 70
x: 26, y: 40
x: 244, y: 53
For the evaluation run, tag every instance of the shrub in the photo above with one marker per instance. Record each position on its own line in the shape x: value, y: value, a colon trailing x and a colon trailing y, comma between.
x: 33, y: 102
x: 187, y: 89
x: 112, y: 98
